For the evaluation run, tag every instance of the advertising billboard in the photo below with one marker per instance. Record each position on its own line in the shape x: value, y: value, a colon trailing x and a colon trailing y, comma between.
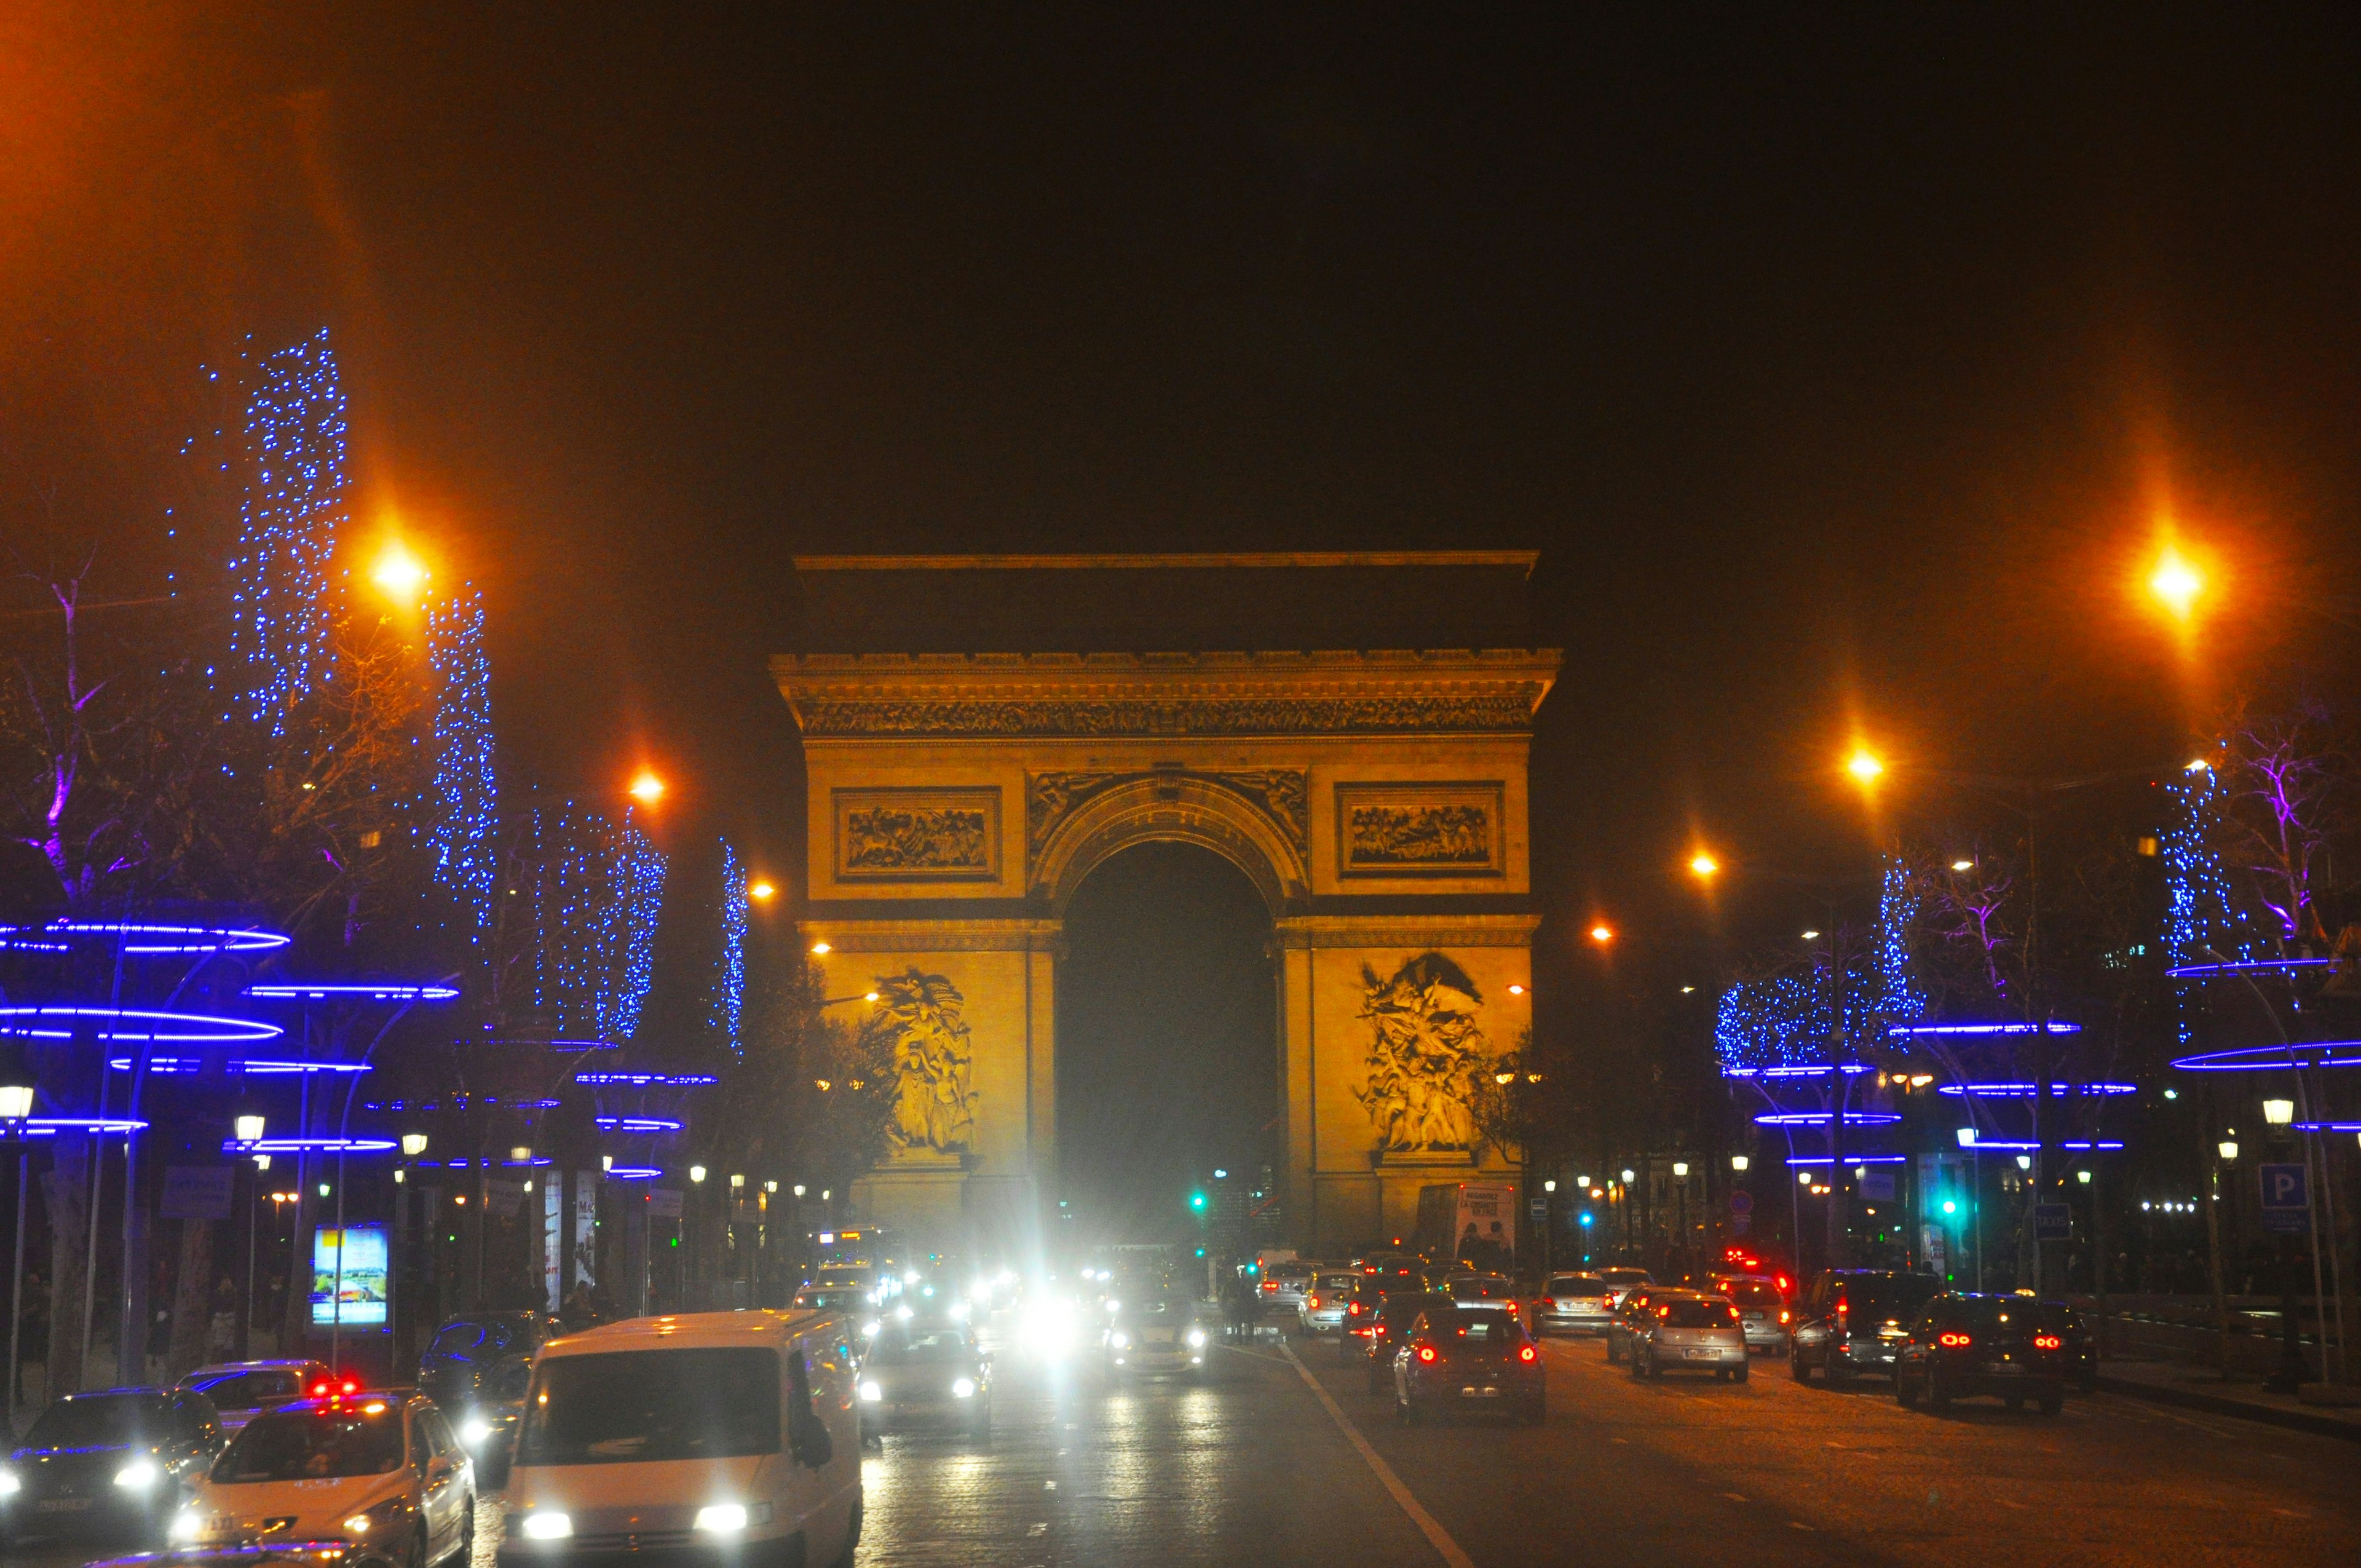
x: 348, y: 1275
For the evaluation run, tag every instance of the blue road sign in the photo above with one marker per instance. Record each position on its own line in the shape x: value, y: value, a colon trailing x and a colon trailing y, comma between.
x: 2287, y: 1198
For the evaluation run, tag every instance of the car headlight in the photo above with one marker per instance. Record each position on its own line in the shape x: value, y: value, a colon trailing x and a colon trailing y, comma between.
x: 358, y: 1524
x: 1196, y: 1338
x: 904, y: 1314
x: 870, y: 1391
x: 137, y: 1474
x: 871, y: 1329
x: 1120, y: 1340
x: 729, y: 1518
x: 188, y: 1524
x: 964, y: 1388
x: 548, y: 1526
x: 474, y: 1430
x: 10, y: 1483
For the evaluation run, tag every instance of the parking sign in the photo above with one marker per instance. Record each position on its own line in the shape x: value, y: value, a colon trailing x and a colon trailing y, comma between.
x: 2287, y: 1198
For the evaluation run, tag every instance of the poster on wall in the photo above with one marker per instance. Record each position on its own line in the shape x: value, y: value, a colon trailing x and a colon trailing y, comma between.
x: 348, y: 1277
x: 553, y: 1200
x: 585, y: 1227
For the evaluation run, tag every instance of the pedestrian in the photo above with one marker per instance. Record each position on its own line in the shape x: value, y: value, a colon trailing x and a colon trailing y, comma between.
x: 578, y: 1311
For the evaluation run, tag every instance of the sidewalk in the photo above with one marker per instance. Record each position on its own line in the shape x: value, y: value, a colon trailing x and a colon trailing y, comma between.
x: 2202, y: 1388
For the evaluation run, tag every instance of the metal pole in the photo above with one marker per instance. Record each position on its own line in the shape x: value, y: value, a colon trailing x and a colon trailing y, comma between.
x: 244, y: 1340
x: 17, y: 1292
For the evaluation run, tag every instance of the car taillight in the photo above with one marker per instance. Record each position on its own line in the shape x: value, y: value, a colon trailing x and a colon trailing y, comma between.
x: 1315, y: 1303
x: 1785, y: 1316
x: 2047, y: 1342
x: 1353, y: 1311
x: 1954, y: 1340
x: 1734, y: 1315
x: 1271, y: 1285
x: 1426, y: 1353
x: 1527, y: 1352
x: 1844, y: 1310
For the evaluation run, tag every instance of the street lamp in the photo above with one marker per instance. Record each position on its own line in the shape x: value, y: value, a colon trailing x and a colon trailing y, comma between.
x: 799, y: 1190
x: 1966, y: 1138
x: 761, y: 892
x: 1702, y: 865
x: 16, y: 1106
x: 1550, y: 1186
x: 2228, y: 1149
x: 399, y: 575
x: 2174, y: 582
x: 2278, y: 1112
x: 248, y: 1127
x: 521, y: 1155
x: 646, y: 787
x: 413, y: 1144
x: 697, y: 1173
x: 1602, y: 933
x: 737, y: 1179
x: 1738, y: 1162
x: 1863, y: 765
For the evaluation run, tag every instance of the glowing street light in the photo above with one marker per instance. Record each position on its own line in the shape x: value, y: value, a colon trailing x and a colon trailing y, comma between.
x: 2174, y: 582
x: 1602, y: 933
x: 1702, y: 865
x: 821, y: 950
x: 399, y: 575
x: 646, y: 789
x: 1863, y: 765
x: 1963, y: 865
x: 413, y: 1145
x: 761, y: 892
x: 2278, y: 1112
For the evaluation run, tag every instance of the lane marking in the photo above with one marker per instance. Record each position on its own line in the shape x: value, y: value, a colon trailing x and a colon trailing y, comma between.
x: 1436, y: 1536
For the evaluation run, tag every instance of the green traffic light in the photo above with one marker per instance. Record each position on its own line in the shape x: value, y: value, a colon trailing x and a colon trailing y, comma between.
x: 1196, y: 1200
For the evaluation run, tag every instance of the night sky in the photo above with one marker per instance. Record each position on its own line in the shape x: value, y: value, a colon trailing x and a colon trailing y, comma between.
x: 1842, y: 365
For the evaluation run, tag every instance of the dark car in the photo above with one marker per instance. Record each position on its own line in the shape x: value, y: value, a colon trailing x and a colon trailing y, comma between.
x: 1361, y: 1307
x: 487, y: 1428
x: 2081, y: 1345
x: 1852, y: 1320
x: 933, y: 1375
x: 1469, y: 1358
x: 2002, y: 1347
x: 107, y: 1464
x: 459, y: 1363
x: 1395, y: 1314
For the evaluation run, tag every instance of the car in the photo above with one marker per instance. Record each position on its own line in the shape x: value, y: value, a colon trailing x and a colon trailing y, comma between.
x: 1623, y: 1281
x: 1575, y: 1303
x: 240, y: 1390
x: 696, y: 1438
x: 832, y: 1298
x: 1154, y: 1333
x: 274, y: 1554
x: 1762, y: 1310
x: 1361, y: 1305
x: 1695, y: 1333
x: 1623, y: 1328
x: 1285, y: 1284
x: 487, y: 1428
x: 465, y: 1352
x: 1324, y: 1303
x: 932, y: 1376
x: 1470, y: 1288
x: 384, y: 1469
x: 1395, y: 1314
x: 112, y: 1462
x: 1852, y: 1320
x: 1465, y: 1358
x: 1965, y: 1345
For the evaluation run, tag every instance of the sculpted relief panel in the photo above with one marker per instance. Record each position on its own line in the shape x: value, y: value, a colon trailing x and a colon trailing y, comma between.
x: 921, y: 1014
x: 917, y: 835
x: 1506, y: 713
x: 1419, y: 829
x: 1282, y: 794
x: 1425, y: 1051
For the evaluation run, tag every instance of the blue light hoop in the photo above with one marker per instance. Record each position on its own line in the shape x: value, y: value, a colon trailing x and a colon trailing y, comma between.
x: 1820, y: 1070
x: 633, y: 1173
x: 289, y: 992
x: 50, y: 1126
x: 172, y: 1066
x: 1996, y: 1143
x: 487, y: 1165
x: 2328, y: 1126
x: 458, y: 1103
x: 164, y: 1028
x: 1911, y: 1030
x: 1820, y: 1119
x: 636, y: 1123
x: 311, y: 1146
x: 1851, y: 1159
x: 531, y: 1044
x: 59, y: 935
x: 2021, y: 1091
x: 647, y: 1080
x: 2242, y: 966
x: 2249, y: 1059
x: 2102, y: 1146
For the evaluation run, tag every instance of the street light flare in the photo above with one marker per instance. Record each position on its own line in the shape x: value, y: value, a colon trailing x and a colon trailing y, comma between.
x: 2174, y: 582
x: 1963, y: 865
x: 1703, y: 864
x: 761, y: 892
x: 1602, y: 933
x: 1863, y: 765
x: 821, y: 950
x: 398, y: 573
x: 646, y: 789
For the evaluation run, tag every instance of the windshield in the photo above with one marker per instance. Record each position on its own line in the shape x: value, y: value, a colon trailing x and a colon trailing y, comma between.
x: 1474, y: 1328
x: 829, y: 1299
x: 652, y: 1404
x: 1624, y: 1276
x: 1687, y: 1312
x: 1897, y: 1298
x: 106, y: 1422
x: 1576, y: 1285
x: 1338, y: 1281
x: 903, y: 1349
x: 1400, y: 1309
x: 313, y: 1445
x: 1480, y: 1290
x: 1753, y: 1293
x: 249, y: 1390
x: 468, y: 1341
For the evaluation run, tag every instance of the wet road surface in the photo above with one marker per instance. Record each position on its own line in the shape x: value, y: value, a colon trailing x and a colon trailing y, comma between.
x: 1249, y: 1464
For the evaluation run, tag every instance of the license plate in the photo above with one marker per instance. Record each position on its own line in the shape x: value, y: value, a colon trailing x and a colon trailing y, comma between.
x: 909, y: 1409
x: 64, y: 1505
x: 1704, y: 1355
x: 1486, y: 1392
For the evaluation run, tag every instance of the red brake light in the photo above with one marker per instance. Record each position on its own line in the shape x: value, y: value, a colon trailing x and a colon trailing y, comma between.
x: 1315, y: 1303
x: 1354, y: 1310
x: 1954, y: 1340
x: 1783, y: 1285
x: 320, y: 1389
x: 2047, y: 1342
x: 1785, y: 1316
x: 1426, y: 1353
x: 1527, y: 1352
x: 1734, y: 1315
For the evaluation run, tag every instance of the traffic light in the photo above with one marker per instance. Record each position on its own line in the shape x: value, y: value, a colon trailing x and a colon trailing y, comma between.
x: 1197, y: 1202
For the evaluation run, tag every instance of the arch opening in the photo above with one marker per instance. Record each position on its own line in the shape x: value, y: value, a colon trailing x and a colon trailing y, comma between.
x: 1168, y: 1049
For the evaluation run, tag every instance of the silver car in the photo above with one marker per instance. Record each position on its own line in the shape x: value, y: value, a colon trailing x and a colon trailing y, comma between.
x: 1574, y: 1303
x: 1698, y: 1334
x: 1622, y: 1281
x: 1322, y: 1310
x: 1761, y: 1309
x: 1284, y: 1285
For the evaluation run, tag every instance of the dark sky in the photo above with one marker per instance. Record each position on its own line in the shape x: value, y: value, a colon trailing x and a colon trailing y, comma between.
x: 1842, y: 361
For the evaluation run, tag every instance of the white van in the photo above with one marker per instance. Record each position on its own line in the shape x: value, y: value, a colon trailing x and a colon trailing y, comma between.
x: 727, y: 1437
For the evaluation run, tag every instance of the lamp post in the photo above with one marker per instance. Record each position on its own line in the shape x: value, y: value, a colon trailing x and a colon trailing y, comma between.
x: 16, y: 1107
x: 1681, y: 1176
x: 247, y: 1126
x: 2280, y: 1116
x: 1548, y: 1225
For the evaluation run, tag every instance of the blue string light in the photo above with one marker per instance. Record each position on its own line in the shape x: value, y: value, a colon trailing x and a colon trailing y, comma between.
x: 466, y: 790
x: 730, y: 991
x: 286, y: 535
x: 1786, y: 1019
x: 2197, y: 895
x: 1899, y: 995
x: 599, y: 890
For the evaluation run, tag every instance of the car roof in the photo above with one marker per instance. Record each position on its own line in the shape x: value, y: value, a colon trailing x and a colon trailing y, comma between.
x: 286, y: 1364
x: 692, y: 1331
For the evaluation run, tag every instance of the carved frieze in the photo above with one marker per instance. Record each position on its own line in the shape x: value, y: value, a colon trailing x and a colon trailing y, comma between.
x: 918, y: 1017
x: 917, y: 835
x: 1282, y: 794
x: 1420, y: 829
x: 1425, y: 1049
x: 1506, y: 712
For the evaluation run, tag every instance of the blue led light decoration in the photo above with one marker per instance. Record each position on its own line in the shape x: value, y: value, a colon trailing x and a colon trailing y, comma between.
x: 287, y: 534
x: 464, y: 791
x: 1900, y: 998
x: 1787, y: 1019
x: 598, y: 890
x: 729, y: 985
x: 2196, y: 916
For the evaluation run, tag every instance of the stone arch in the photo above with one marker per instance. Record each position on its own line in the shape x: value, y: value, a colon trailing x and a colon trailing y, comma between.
x: 1173, y: 807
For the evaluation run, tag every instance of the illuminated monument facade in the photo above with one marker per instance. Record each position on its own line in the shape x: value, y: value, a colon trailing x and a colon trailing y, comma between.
x: 958, y: 794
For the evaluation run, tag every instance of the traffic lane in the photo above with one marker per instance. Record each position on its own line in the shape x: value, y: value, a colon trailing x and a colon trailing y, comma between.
x: 1086, y: 1469
x: 1511, y: 1494
x: 2109, y: 1480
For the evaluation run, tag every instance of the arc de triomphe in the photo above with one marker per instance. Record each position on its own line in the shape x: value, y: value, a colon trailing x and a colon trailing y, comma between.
x: 958, y: 797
